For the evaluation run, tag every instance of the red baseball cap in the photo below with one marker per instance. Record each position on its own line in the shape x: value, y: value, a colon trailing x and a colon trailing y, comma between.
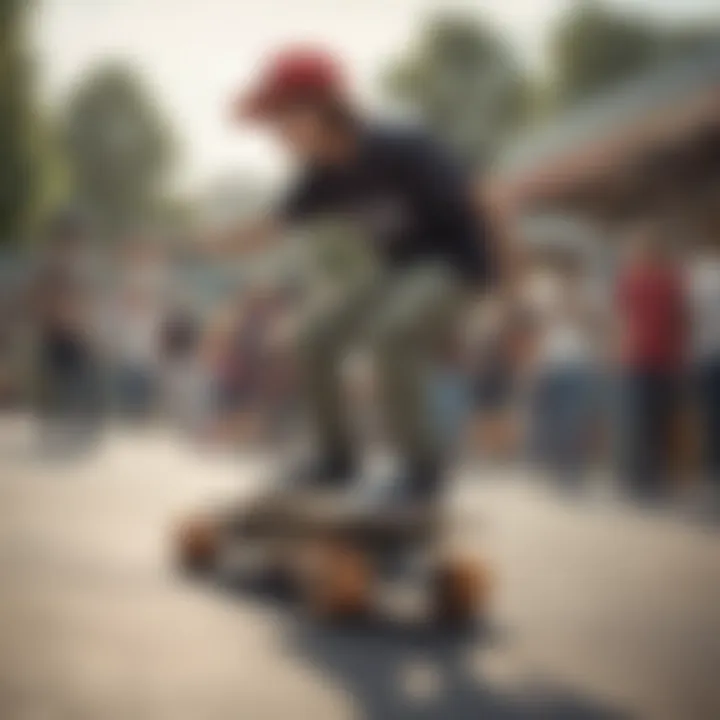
x: 295, y: 75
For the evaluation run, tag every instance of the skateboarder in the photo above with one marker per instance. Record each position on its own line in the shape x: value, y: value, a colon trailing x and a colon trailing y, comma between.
x: 414, y: 208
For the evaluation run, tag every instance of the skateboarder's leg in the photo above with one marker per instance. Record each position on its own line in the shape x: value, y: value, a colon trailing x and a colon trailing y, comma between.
x: 418, y: 313
x: 323, y: 342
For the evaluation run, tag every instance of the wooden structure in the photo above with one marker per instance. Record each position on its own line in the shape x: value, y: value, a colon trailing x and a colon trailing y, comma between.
x: 652, y: 144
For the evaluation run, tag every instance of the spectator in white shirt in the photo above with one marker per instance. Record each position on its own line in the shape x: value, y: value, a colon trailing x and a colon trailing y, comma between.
x: 564, y: 372
x: 704, y: 293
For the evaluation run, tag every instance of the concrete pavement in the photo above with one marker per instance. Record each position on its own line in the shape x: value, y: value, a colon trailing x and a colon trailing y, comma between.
x: 601, y: 610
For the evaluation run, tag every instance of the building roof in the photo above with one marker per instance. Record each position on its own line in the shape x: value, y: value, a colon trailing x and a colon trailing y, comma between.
x: 667, y: 87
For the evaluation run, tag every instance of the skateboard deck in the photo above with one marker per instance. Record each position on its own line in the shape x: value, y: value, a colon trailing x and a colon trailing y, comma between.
x: 335, y: 553
x: 319, y: 516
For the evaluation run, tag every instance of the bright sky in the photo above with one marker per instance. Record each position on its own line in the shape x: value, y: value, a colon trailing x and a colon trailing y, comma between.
x: 196, y: 53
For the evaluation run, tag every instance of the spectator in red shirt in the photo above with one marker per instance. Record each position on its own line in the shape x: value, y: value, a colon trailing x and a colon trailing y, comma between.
x: 652, y: 313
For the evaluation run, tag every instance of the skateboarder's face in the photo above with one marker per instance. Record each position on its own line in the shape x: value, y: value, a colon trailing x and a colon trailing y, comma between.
x: 302, y: 131
x: 315, y: 133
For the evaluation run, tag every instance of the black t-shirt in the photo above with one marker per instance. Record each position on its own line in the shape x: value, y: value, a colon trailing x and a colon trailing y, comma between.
x: 409, y: 195
x: 179, y: 335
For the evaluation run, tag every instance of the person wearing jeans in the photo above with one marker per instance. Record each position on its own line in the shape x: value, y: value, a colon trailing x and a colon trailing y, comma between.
x: 651, y: 402
x: 564, y: 397
x: 69, y: 379
x: 704, y: 290
x: 707, y: 384
x: 137, y: 352
x: 653, y: 318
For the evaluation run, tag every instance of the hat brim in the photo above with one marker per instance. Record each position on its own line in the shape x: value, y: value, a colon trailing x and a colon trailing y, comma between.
x: 258, y: 105
x: 263, y: 104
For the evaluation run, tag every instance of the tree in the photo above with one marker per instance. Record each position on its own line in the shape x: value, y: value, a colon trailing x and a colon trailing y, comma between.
x: 16, y: 165
x: 119, y: 148
x: 463, y: 82
x: 595, y: 47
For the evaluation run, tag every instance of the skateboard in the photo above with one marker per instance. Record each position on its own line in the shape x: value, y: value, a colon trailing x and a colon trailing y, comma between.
x: 335, y: 560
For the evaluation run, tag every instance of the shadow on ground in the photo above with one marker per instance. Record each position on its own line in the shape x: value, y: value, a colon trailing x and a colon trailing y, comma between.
x: 397, y: 669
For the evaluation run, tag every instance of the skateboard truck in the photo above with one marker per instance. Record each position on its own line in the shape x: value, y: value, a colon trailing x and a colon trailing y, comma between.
x: 335, y: 561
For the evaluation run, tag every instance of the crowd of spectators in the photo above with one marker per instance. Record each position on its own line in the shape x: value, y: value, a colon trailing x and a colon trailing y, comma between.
x: 583, y: 367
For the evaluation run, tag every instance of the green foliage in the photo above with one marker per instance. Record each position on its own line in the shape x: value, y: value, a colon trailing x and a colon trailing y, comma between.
x: 596, y: 47
x: 52, y: 186
x: 119, y: 147
x: 464, y: 82
x: 16, y: 166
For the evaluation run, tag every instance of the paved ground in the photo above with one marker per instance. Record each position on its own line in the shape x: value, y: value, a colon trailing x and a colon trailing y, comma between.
x: 600, y: 612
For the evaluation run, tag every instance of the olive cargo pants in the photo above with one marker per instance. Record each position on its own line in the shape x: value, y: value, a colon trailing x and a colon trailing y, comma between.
x: 403, y: 316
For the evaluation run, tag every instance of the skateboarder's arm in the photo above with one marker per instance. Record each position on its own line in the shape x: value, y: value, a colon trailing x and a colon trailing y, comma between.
x: 266, y: 231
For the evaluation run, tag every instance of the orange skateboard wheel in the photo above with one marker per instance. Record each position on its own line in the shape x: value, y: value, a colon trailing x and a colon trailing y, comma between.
x: 462, y: 590
x: 197, y: 543
x: 338, y: 582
